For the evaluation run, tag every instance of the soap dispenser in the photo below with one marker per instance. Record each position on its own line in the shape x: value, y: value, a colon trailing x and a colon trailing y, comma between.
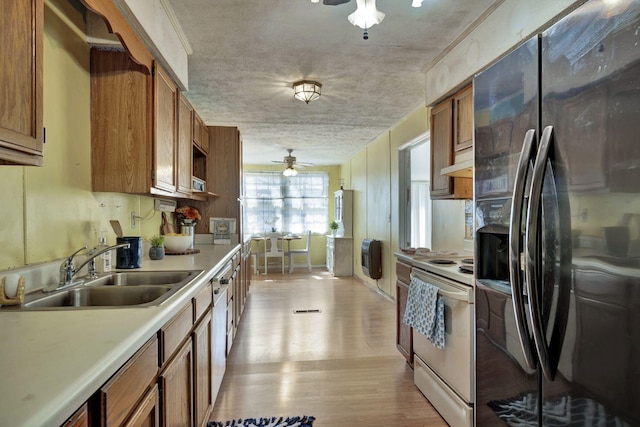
x: 103, y: 262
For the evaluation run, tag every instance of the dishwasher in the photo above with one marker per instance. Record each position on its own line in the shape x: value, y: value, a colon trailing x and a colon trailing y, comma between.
x: 222, y: 324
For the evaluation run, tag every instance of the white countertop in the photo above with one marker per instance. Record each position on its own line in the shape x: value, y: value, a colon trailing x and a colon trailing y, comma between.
x: 51, y: 362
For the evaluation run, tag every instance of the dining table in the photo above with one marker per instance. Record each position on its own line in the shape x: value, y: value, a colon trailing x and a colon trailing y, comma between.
x: 274, y: 237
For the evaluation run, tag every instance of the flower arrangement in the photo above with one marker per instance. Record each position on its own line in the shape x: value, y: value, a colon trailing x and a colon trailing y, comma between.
x: 188, y: 214
x: 273, y: 223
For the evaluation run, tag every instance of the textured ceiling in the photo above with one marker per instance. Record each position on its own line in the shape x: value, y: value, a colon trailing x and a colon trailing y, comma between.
x: 247, y: 53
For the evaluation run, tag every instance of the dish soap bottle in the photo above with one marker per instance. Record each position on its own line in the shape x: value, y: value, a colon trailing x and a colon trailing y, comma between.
x: 103, y: 262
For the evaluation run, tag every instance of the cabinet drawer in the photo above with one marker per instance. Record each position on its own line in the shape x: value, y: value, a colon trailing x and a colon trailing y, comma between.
x: 120, y: 394
x: 202, y: 302
x: 174, y: 332
x: 403, y: 272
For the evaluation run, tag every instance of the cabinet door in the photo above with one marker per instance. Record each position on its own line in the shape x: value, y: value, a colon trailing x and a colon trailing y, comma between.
x: 165, y: 102
x: 202, y: 345
x: 119, y: 396
x: 21, y: 111
x: 441, y: 148
x: 121, y: 94
x: 147, y: 414
x: 463, y: 119
x: 176, y: 383
x: 185, y: 144
x: 200, y: 134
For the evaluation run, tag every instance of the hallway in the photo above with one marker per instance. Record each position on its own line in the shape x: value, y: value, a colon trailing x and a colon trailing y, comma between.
x: 339, y: 365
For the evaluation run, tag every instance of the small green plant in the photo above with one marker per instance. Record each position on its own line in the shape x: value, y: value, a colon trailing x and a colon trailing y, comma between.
x: 334, y: 225
x: 157, y: 241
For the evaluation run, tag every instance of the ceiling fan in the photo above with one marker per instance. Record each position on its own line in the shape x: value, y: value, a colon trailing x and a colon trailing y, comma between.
x: 335, y: 2
x: 290, y: 161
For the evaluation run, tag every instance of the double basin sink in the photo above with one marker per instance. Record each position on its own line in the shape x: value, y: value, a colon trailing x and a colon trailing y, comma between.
x: 117, y: 289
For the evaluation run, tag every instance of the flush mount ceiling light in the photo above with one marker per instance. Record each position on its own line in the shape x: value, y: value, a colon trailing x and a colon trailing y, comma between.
x: 306, y: 90
x: 290, y: 171
x: 366, y: 16
x: 416, y: 3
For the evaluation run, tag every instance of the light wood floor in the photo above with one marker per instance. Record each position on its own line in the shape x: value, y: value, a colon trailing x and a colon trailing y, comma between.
x: 340, y: 365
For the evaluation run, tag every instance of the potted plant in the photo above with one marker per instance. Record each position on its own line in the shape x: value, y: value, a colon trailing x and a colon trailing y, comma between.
x: 156, y: 251
x: 333, y: 225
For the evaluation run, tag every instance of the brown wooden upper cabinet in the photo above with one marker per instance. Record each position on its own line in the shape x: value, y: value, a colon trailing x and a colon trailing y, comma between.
x: 463, y: 119
x: 451, y: 134
x: 21, y: 38
x: 185, y: 136
x: 200, y: 134
x: 141, y: 129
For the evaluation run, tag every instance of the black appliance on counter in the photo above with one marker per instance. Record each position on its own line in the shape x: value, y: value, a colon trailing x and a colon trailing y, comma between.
x: 557, y: 180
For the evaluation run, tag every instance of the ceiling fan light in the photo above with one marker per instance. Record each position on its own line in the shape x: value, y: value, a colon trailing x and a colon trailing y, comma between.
x: 306, y: 90
x: 290, y: 171
x: 366, y: 15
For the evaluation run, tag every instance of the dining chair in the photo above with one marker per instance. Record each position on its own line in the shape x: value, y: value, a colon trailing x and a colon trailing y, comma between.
x: 305, y: 252
x: 273, y: 252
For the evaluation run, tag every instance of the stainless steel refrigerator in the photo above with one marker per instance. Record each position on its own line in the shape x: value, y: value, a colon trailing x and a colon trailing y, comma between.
x: 557, y: 211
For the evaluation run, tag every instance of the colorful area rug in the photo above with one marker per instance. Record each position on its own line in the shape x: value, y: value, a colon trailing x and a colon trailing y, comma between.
x: 303, y: 421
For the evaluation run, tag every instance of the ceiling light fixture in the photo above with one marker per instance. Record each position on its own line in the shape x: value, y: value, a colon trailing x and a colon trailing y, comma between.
x: 416, y: 3
x: 290, y: 171
x: 366, y: 16
x: 306, y: 90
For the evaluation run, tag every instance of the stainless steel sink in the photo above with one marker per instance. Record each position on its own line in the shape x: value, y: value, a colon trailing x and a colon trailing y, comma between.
x: 102, y: 296
x: 138, y: 278
x: 118, y: 289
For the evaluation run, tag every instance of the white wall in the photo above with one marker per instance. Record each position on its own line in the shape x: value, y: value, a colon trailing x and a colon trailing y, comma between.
x: 511, y: 23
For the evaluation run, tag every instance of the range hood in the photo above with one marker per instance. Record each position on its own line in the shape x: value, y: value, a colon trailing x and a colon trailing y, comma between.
x: 462, y: 169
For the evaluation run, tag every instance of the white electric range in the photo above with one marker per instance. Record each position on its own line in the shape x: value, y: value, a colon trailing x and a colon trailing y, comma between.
x: 445, y: 376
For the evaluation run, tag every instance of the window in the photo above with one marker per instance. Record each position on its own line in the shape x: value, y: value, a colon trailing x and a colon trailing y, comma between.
x: 415, y: 201
x: 274, y: 202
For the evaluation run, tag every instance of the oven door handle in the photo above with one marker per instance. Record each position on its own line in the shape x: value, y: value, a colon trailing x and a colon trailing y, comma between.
x: 460, y: 296
x: 515, y: 249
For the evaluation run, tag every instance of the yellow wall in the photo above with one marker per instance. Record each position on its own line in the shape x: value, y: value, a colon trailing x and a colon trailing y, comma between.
x: 373, y: 175
x: 49, y: 212
x: 318, y: 242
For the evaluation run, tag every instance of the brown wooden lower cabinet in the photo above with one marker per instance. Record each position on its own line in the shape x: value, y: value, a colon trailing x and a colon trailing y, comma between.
x: 176, y: 389
x: 119, y: 397
x: 148, y: 412
x: 173, y: 379
x: 79, y: 419
x: 202, y: 375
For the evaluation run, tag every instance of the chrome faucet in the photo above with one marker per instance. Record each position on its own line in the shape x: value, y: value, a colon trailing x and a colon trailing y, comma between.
x: 68, y: 270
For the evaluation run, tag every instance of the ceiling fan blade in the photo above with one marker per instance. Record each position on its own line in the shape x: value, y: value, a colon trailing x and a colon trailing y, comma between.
x: 334, y: 2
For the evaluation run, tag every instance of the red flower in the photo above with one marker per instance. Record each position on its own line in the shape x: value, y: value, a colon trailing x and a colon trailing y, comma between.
x: 189, y: 212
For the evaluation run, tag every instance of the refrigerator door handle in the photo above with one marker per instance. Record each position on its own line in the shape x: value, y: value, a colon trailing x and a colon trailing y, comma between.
x: 533, y: 254
x: 515, y: 249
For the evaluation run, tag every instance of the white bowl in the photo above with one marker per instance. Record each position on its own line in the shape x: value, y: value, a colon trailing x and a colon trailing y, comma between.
x: 177, y: 243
